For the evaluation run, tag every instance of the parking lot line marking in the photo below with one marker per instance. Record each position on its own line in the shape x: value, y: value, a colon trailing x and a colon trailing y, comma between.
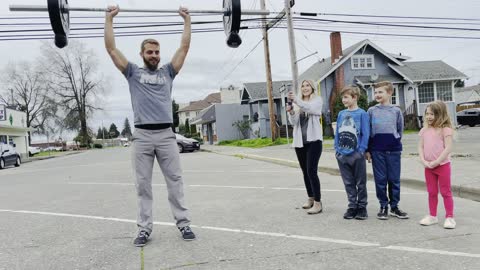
x: 433, y: 251
x: 272, y: 234
x: 223, y: 186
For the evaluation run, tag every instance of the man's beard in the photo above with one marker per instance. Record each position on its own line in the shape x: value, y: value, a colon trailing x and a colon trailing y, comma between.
x: 150, y: 66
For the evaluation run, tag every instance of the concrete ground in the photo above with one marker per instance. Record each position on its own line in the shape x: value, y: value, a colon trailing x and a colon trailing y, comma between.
x: 78, y: 212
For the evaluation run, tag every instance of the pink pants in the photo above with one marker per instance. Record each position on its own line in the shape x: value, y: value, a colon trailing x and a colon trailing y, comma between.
x: 439, y: 176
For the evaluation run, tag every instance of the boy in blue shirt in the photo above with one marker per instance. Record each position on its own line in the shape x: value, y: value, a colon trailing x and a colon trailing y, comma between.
x: 351, y: 142
x: 385, y: 149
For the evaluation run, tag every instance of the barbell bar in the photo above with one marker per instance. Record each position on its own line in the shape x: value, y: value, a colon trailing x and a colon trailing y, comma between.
x: 59, y: 14
x: 35, y: 8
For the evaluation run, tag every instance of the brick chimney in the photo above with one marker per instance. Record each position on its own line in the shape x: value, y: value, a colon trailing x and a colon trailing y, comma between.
x: 339, y: 77
x: 335, y: 46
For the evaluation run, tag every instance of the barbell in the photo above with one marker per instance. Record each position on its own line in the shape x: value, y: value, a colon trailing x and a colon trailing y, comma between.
x: 59, y: 14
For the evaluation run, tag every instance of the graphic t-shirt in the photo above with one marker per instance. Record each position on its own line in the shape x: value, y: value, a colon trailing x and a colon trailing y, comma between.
x: 353, y: 130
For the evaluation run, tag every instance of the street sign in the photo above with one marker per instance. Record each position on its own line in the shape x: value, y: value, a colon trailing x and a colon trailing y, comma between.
x: 3, y: 113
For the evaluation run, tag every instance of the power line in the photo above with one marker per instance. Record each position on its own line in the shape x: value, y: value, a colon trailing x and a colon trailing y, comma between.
x: 387, y: 34
x: 384, y: 16
x: 241, y: 61
x: 388, y: 24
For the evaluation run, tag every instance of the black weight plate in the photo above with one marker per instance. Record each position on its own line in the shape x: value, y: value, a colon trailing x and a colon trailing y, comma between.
x: 231, y: 20
x: 59, y: 17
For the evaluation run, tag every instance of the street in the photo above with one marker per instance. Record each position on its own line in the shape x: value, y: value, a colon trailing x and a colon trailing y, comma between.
x: 79, y: 212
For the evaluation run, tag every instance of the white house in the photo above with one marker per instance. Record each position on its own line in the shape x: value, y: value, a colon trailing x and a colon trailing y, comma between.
x: 13, y: 129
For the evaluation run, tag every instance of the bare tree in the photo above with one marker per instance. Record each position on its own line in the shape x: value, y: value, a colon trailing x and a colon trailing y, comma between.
x: 29, y: 93
x: 75, y: 80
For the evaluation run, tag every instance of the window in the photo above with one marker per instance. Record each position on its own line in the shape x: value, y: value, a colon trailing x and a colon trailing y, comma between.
x: 363, y: 61
x: 444, y: 91
x: 394, y: 98
x: 426, y: 93
x: 187, y: 114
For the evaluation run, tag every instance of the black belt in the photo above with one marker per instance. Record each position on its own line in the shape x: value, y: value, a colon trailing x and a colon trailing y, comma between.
x: 154, y: 126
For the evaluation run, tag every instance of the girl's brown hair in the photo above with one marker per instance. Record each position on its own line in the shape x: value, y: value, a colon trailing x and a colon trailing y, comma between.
x: 440, y: 112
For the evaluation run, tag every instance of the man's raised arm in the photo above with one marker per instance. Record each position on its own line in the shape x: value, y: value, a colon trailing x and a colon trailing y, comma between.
x: 117, y: 57
x: 180, y: 55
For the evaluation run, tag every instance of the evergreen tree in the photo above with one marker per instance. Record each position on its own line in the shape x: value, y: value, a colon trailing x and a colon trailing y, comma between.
x: 105, y: 133
x: 175, y: 114
x: 99, y: 133
x: 127, y: 131
x: 187, y: 126
x: 114, y: 131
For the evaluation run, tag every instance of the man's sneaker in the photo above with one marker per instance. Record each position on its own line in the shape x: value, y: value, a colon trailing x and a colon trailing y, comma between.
x: 351, y: 213
x: 383, y: 213
x: 449, y: 223
x: 428, y: 220
x: 141, y: 239
x: 187, y: 233
x: 361, y: 213
x: 396, y: 212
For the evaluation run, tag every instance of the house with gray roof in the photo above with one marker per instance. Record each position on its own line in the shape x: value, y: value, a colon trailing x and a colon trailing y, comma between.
x: 467, y: 95
x: 416, y: 83
x: 192, y: 110
x: 255, y: 96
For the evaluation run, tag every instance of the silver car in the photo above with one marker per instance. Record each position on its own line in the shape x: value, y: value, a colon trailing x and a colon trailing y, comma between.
x: 186, y: 144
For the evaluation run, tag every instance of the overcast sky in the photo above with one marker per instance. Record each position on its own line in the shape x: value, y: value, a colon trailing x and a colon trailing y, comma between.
x: 210, y: 63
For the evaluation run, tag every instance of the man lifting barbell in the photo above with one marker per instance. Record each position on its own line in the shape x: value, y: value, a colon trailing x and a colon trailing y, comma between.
x: 150, y: 90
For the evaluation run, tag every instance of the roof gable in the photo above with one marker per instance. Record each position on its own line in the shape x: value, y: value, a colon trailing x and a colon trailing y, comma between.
x: 202, y: 104
x: 324, y: 68
x: 257, y: 90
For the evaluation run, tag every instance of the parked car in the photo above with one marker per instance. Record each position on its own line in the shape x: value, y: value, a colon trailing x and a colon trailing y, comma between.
x: 9, y: 156
x: 186, y: 144
x: 33, y: 150
x: 53, y: 148
x: 470, y: 117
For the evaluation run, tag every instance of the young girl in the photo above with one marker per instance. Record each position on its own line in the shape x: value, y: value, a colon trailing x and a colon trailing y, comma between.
x: 307, y: 140
x: 434, y: 149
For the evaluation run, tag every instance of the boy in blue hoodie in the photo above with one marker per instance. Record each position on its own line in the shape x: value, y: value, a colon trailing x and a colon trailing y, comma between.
x: 385, y: 149
x: 351, y: 142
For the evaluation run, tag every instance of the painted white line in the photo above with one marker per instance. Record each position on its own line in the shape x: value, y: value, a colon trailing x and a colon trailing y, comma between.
x: 271, y: 234
x: 222, y: 186
x: 433, y: 251
x: 300, y: 237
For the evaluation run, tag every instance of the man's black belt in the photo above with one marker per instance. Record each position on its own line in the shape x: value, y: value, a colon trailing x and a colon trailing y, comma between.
x: 154, y: 126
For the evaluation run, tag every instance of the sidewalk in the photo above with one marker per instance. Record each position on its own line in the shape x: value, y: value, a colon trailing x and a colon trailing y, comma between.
x: 465, y: 172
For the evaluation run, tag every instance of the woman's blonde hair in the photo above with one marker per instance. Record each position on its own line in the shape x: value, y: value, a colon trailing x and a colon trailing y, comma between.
x: 300, y: 94
x: 440, y: 113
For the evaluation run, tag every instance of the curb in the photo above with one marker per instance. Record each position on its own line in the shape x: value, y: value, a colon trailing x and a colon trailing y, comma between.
x: 458, y: 191
x: 50, y: 157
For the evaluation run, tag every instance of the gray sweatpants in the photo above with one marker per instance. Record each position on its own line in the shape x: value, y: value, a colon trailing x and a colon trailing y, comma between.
x: 353, y: 169
x: 148, y: 144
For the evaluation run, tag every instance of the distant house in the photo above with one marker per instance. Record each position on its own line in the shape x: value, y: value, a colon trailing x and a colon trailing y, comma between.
x: 416, y: 83
x: 217, y: 122
x: 467, y: 97
x: 193, y: 109
x: 255, y: 95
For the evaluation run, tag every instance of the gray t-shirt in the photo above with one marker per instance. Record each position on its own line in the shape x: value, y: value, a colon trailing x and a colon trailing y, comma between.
x: 150, y: 92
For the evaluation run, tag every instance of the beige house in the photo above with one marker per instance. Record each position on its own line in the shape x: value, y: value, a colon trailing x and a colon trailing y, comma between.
x: 193, y: 109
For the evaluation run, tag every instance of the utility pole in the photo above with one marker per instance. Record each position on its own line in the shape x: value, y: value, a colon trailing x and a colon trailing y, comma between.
x: 13, y: 99
x: 273, y: 123
x: 291, y: 42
